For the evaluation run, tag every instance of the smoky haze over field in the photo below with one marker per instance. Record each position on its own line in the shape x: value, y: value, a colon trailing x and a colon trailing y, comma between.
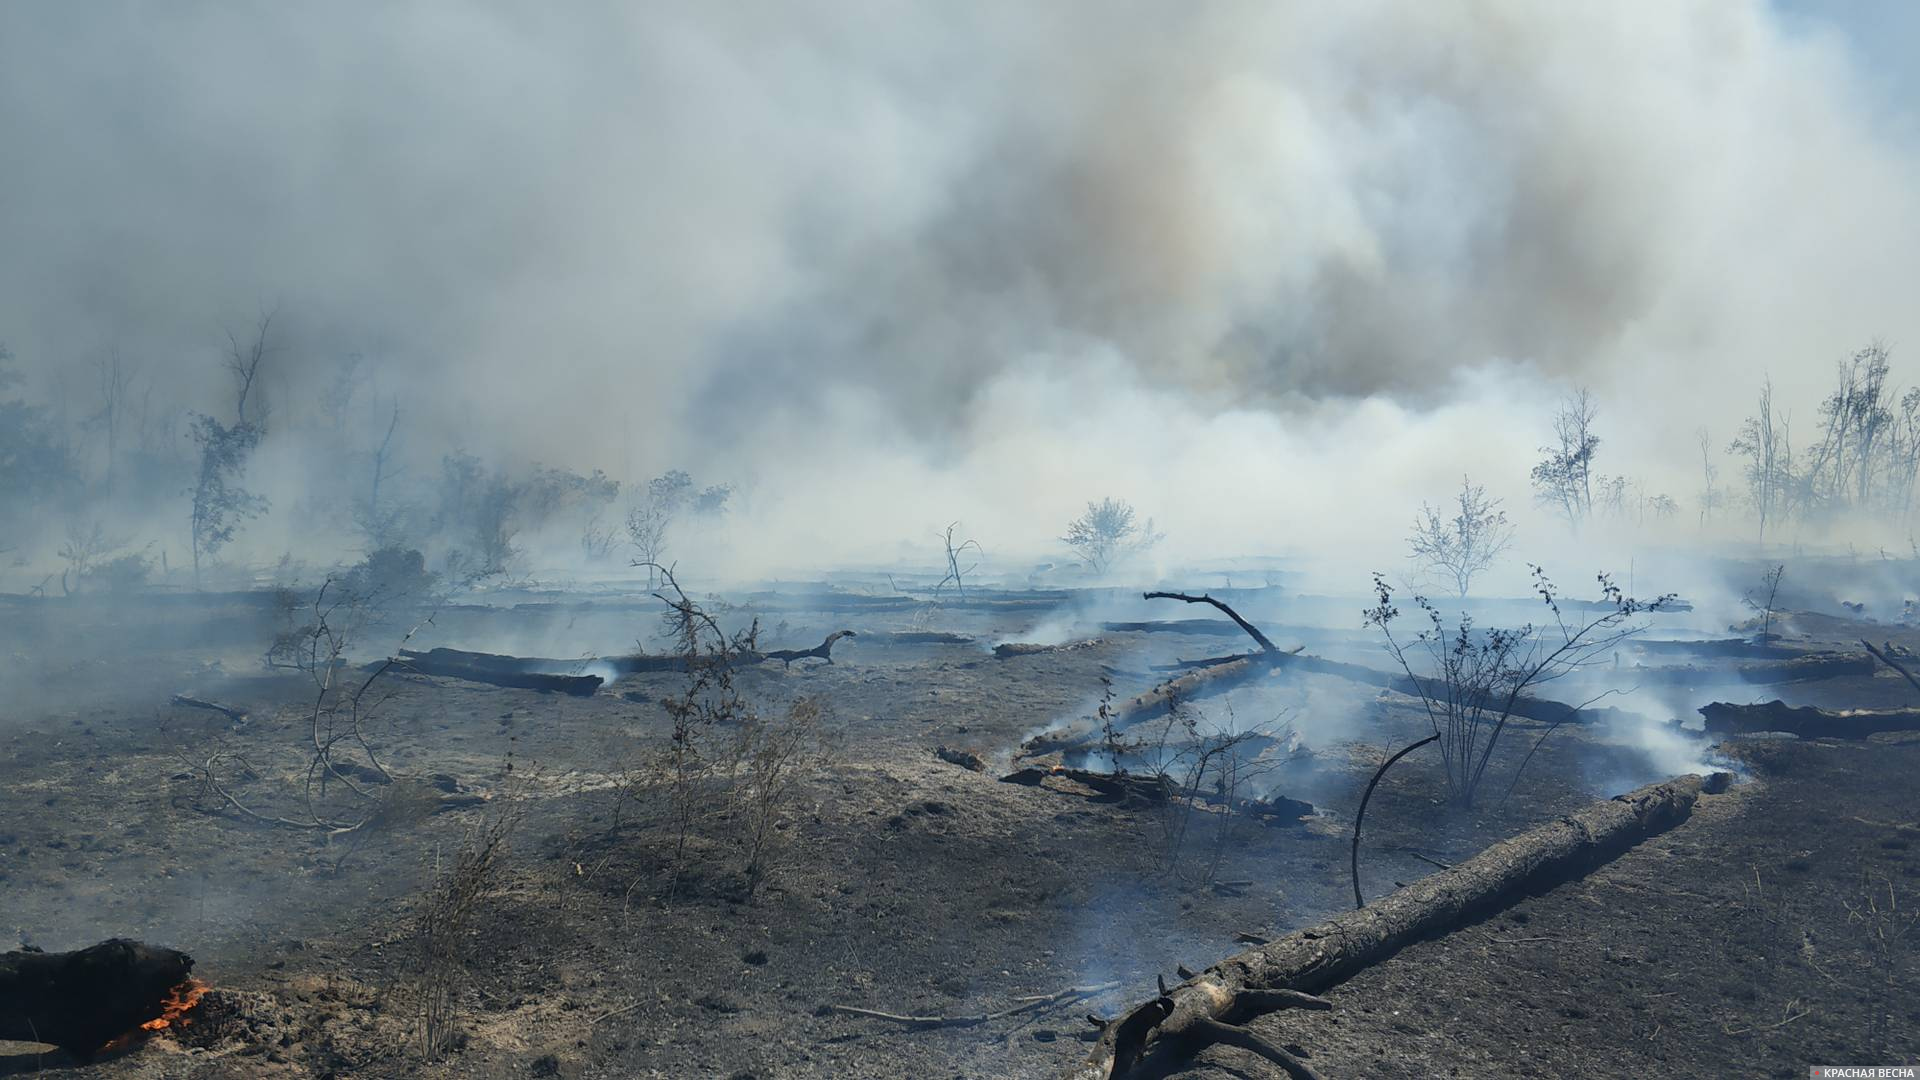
x: 1274, y: 272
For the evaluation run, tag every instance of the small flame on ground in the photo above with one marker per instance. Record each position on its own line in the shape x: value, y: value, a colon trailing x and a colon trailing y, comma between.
x: 173, y: 1015
x: 180, y: 1001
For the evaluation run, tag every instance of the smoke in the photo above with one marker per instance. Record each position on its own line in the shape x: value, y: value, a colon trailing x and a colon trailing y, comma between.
x: 1274, y: 272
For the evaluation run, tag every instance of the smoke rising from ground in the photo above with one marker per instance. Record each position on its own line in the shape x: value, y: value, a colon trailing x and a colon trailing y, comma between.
x: 1246, y: 264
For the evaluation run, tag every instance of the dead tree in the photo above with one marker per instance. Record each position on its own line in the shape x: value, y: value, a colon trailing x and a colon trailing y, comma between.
x: 243, y: 363
x: 80, y: 1001
x: 954, y: 573
x: 1460, y: 547
x: 1214, y: 1006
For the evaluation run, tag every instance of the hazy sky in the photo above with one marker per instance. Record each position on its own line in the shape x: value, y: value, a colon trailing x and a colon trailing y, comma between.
x: 915, y: 262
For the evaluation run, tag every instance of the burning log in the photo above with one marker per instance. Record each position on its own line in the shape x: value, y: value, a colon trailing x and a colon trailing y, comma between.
x: 83, y: 1000
x: 1211, y: 1007
x: 1807, y: 722
x: 510, y: 671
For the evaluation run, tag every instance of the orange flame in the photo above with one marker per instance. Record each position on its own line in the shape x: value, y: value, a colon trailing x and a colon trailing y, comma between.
x: 180, y: 1001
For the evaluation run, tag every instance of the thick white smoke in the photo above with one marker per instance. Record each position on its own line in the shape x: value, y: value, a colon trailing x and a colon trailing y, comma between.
x: 1273, y: 271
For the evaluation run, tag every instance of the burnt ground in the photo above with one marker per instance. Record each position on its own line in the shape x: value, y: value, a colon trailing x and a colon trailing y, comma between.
x: 1772, y: 930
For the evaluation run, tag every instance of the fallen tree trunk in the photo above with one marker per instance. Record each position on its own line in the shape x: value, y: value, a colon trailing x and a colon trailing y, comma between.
x: 1204, y: 627
x: 1217, y: 675
x: 82, y: 1000
x: 1741, y: 647
x: 1802, y: 668
x: 1151, y: 790
x: 1807, y: 722
x: 439, y: 662
x: 186, y: 701
x: 918, y: 637
x: 1209, y: 1007
x: 1024, y: 648
x: 1221, y: 674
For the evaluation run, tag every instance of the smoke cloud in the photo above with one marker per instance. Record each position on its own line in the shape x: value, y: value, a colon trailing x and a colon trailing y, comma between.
x: 1273, y: 271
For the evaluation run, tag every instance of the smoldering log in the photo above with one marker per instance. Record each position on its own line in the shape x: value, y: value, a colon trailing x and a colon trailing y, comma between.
x: 1209, y: 1007
x: 1745, y: 648
x: 506, y: 672
x: 82, y: 1000
x: 1806, y: 667
x: 1152, y: 790
x: 1220, y: 674
x: 1806, y: 721
x: 916, y: 637
x: 1025, y: 648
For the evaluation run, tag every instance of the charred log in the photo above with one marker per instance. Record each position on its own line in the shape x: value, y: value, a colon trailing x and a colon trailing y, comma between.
x: 1745, y: 648
x: 1201, y: 627
x: 1128, y: 788
x: 822, y: 651
x: 231, y: 712
x: 1807, y: 722
x: 496, y: 670
x: 82, y: 1000
x: 1801, y: 668
x: 966, y: 759
x: 1210, y: 1007
x: 1022, y: 648
x: 918, y: 637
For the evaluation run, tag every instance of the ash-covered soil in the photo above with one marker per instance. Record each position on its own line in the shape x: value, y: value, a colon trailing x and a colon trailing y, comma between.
x: 1771, y: 931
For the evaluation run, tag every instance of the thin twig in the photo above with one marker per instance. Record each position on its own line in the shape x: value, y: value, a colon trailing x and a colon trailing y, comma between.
x: 1072, y: 993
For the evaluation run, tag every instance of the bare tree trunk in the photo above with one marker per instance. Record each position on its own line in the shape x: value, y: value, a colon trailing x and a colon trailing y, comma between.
x: 1209, y: 1007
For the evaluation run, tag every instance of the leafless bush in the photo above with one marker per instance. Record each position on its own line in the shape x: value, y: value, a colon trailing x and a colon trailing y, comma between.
x: 87, y: 551
x: 1761, y: 600
x: 337, y: 792
x: 955, y: 575
x: 1470, y: 677
x: 597, y: 539
x: 724, y: 762
x: 445, y: 920
x: 768, y: 761
x: 1108, y: 532
x: 1204, y: 770
x: 1462, y: 546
